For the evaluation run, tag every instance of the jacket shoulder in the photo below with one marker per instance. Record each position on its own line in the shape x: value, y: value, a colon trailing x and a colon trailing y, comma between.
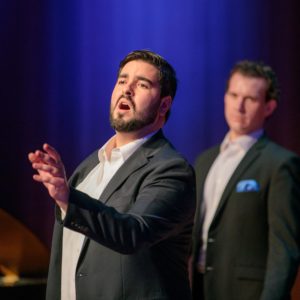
x: 275, y: 153
x: 160, y: 149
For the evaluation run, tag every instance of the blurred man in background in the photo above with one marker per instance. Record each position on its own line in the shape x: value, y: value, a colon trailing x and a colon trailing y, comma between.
x: 247, y: 223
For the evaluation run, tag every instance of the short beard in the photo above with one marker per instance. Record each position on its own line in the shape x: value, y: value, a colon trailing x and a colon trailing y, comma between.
x: 121, y: 125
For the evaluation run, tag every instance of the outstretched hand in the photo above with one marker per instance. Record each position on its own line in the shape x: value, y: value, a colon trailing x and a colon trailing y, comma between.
x: 51, y: 172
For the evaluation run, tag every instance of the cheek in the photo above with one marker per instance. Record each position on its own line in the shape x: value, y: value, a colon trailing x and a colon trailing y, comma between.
x: 114, y: 93
x: 228, y: 109
x: 255, y: 115
x: 144, y: 101
x: 114, y: 96
x: 228, y: 105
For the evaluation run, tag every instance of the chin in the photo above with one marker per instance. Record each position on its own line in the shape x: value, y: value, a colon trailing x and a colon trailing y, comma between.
x: 239, y: 130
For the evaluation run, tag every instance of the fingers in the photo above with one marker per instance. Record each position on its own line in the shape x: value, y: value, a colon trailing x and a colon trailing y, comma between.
x: 33, y: 157
x: 52, y: 152
x: 49, y: 156
x: 51, y: 172
x: 56, y: 172
x: 47, y: 163
x: 57, y: 189
x: 57, y: 182
x: 44, y: 158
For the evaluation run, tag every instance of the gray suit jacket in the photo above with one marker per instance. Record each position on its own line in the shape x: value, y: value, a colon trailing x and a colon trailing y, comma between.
x: 253, y: 248
x: 137, y: 234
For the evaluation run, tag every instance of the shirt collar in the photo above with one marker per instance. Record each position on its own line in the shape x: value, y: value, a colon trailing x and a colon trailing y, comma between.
x: 126, y: 150
x: 244, y: 142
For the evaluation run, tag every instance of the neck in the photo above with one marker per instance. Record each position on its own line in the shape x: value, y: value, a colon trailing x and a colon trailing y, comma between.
x: 123, y: 138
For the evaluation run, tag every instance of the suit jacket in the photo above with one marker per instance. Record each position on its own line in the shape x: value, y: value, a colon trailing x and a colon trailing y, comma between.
x: 137, y: 234
x: 253, y: 240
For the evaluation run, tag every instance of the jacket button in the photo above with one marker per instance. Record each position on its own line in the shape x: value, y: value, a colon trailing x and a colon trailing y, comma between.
x: 209, y: 268
x: 210, y: 240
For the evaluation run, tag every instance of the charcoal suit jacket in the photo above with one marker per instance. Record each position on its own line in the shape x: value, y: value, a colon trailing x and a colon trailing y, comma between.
x: 138, y: 232
x: 253, y: 240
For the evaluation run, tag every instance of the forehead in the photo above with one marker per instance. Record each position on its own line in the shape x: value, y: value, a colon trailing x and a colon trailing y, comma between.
x: 140, y: 68
x: 247, y: 84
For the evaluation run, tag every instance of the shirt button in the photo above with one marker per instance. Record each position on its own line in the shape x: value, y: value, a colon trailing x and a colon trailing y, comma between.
x: 210, y: 240
x: 209, y: 268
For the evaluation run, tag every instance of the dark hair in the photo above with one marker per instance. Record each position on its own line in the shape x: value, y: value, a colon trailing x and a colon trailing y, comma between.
x: 259, y: 70
x: 167, y: 74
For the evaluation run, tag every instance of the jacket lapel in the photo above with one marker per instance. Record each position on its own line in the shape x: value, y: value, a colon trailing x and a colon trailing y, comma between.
x: 201, y: 174
x: 84, y: 169
x: 243, y: 166
x: 136, y: 161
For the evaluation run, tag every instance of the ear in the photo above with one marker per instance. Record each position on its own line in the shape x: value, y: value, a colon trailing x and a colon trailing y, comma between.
x: 271, y: 105
x: 165, y: 105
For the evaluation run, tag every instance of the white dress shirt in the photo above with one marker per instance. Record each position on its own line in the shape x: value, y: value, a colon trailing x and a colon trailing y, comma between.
x: 231, y: 154
x: 93, y: 185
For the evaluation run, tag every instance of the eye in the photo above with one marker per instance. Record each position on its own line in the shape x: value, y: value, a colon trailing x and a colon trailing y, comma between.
x: 143, y: 85
x: 121, y: 81
x: 232, y: 95
x: 252, y: 99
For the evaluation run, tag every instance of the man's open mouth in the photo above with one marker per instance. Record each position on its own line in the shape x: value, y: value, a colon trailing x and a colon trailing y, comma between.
x: 124, y: 106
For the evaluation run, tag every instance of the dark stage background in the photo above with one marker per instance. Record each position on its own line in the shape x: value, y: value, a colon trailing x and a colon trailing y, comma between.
x: 59, y: 59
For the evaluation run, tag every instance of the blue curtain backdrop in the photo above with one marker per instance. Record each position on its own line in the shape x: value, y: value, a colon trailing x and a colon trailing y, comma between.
x: 58, y: 66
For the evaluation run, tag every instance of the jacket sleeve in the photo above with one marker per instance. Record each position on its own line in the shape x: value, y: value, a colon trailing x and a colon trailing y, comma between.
x: 163, y: 206
x: 284, y: 230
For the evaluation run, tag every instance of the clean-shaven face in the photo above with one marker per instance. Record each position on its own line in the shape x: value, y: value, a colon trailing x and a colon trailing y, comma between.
x: 135, y: 98
x: 246, y: 108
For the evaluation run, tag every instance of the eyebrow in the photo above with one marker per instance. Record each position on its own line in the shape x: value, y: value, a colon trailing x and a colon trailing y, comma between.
x: 254, y: 97
x: 138, y: 78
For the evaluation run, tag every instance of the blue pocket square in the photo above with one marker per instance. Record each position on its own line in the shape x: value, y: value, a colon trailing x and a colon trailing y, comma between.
x: 248, y: 185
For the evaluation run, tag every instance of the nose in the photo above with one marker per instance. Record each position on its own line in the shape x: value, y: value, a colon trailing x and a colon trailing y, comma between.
x: 241, y: 105
x: 128, y: 89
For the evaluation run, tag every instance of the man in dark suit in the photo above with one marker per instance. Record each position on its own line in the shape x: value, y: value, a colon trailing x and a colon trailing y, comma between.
x: 247, y: 222
x: 124, y: 220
